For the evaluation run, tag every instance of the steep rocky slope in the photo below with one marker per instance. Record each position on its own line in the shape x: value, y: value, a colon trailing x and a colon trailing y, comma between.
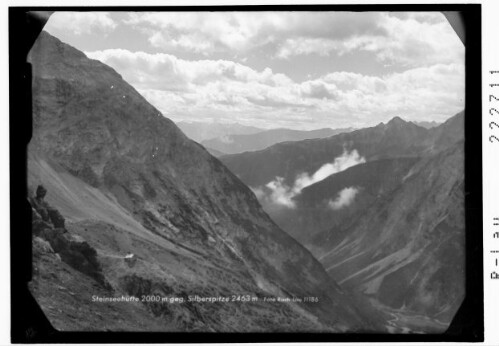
x: 49, y: 225
x: 389, y: 226
x: 407, y: 250
x: 66, y: 268
x: 233, y: 144
x: 127, y: 180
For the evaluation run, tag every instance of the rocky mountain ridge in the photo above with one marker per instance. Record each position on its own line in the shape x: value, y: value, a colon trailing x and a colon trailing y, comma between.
x: 200, y: 131
x: 396, y: 138
x: 233, y: 144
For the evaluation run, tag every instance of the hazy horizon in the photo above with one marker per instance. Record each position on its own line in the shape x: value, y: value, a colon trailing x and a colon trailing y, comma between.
x: 229, y: 122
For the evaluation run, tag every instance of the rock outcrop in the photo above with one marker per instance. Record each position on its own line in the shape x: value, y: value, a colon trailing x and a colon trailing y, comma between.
x: 49, y: 225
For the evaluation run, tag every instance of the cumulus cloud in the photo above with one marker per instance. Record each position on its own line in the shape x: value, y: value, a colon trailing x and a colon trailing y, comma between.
x: 210, y: 32
x: 167, y: 72
x: 418, y: 93
x: 318, y: 90
x: 206, y: 87
x: 279, y: 193
x: 80, y: 22
x: 411, y: 39
x: 414, y: 40
x: 428, y: 55
x: 344, y: 199
x: 418, y: 41
x: 227, y: 90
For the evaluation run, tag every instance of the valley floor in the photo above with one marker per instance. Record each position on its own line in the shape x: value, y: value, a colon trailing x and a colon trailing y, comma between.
x: 400, y: 321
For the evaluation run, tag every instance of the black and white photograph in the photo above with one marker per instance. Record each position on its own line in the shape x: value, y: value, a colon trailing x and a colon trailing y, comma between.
x: 284, y: 170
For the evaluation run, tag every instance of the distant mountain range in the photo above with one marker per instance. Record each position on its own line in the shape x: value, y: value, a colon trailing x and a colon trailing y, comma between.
x: 233, y: 144
x: 426, y: 124
x: 127, y: 182
x: 287, y: 160
x: 381, y: 207
x: 201, y: 131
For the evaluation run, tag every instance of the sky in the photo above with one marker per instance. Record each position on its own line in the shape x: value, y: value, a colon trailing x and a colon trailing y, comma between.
x: 299, y: 70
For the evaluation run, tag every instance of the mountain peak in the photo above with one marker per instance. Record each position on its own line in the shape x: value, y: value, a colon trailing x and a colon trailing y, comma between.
x: 397, y: 121
x: 394, y: 123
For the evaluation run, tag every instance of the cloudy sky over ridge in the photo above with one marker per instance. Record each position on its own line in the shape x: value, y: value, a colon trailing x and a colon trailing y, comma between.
x: 299, y: 70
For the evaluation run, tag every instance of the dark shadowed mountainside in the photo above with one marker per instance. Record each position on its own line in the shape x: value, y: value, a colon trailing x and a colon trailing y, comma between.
x: 397, y: 138
x: 314, y: 209
x: 407, y: 250
x: 233, y: 144
x: 390, y: 225
x: 128, y: 181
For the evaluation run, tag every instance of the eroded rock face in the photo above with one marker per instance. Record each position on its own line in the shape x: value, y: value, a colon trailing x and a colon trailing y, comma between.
x: 72, y: 249
x: 40, y: 192
x: 40, y: 246
x: 38, y: 224
x: 55, y: 217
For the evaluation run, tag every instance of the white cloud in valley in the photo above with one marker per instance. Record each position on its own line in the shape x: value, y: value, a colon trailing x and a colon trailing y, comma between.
x: 344, y: 198
x: 346, y: 160
x: 278, y: 193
